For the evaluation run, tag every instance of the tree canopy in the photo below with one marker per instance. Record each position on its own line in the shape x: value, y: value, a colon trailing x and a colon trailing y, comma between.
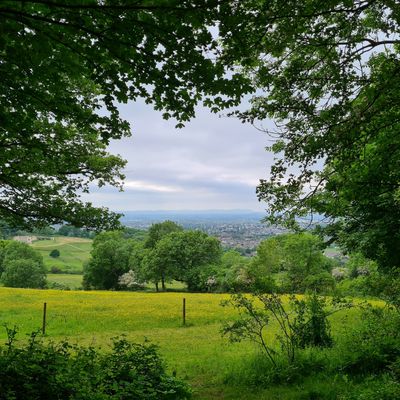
x: 182, y: 256
x: 299, y: 257
x: 109, y: 260
x: 64, y: 66
x: 159, y: 230
x: 328, y: 74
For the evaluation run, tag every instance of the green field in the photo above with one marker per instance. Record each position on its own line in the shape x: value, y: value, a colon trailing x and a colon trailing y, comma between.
x: 197, y: 352
x: 72, y: 281
x: 73, y: 252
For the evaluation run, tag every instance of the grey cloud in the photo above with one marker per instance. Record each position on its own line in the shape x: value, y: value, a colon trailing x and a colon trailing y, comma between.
x: 213, y: 163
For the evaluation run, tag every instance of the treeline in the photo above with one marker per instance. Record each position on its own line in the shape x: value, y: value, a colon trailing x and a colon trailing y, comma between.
x: 130, y: 259
x: 286, y: 263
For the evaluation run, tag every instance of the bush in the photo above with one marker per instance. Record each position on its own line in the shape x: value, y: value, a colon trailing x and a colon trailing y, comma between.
x: 130, y: 281
x: 22, y: 266
x: 302, y: 324
x: 374, y: 346
x: 311, y: 325
x: 54, y: 253
x: 56, y: 270
x: 64, y: 371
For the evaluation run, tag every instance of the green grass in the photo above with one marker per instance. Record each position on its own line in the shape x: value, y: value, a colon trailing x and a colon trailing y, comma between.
x: 197, y: 352
x: 73, y: 252
x: 73, y: 281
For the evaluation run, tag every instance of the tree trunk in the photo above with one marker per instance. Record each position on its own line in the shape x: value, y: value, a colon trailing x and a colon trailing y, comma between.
x: 157, y: 287
x: 163, y: 283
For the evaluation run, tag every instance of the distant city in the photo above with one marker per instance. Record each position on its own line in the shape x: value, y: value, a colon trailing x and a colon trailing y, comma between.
x: 238, y: 229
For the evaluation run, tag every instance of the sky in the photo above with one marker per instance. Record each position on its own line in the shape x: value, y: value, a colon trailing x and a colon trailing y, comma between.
x: 215, y: 162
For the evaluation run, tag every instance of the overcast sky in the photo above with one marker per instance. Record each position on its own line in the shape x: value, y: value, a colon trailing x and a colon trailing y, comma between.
x: 213, y: 163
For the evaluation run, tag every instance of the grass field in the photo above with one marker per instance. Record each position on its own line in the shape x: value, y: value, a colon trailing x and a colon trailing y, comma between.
x: 73, y: 252
x: 197, y: 351
x: 73, y: 281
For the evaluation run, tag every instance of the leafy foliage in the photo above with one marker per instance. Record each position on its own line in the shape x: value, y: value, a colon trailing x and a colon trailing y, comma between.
x: 311, y: 323
x: 159, y: 230
x: 24, y: 274
x: 301, y: 259
x: 329, y: 71
x: 302, y: 324
x: 183, y: 256
x: 109, y: 260
x: 73, y: 231
x: 64, y: 68
x: 373, y: 346
x: 65, y: 371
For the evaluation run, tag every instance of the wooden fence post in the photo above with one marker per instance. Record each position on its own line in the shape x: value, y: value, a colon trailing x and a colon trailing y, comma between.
x: 44, y: 318
x: 184, y: 311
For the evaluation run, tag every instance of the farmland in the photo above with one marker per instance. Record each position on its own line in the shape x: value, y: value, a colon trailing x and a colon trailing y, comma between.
x: 197, y: 352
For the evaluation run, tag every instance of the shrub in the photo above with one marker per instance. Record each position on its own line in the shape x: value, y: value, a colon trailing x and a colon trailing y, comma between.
x: 54, y: 253
x: 56, y: 270
x: 311, y: 325
x: 339, y: 273
x: 130, y: 281
x: 22, y: 266
x: 374, y: 345
x: 384, y: 388
x: 64, y: 371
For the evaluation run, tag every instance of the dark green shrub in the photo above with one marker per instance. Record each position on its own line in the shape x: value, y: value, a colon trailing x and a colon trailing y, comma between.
x: 63, y: 371
x: 54, y: 253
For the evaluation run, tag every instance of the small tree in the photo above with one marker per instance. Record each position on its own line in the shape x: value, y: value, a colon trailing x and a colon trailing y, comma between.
x: 55, y: 253
x: 303, y: 323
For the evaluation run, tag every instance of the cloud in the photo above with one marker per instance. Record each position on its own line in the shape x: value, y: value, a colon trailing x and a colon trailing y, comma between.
x: 213, y: 163
x: 151, y: 187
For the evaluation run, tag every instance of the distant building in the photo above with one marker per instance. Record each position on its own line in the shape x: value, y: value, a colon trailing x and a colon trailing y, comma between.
x: 25, y: 239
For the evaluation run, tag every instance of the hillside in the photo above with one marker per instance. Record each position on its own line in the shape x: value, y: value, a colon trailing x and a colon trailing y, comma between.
x: 73, y: 252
